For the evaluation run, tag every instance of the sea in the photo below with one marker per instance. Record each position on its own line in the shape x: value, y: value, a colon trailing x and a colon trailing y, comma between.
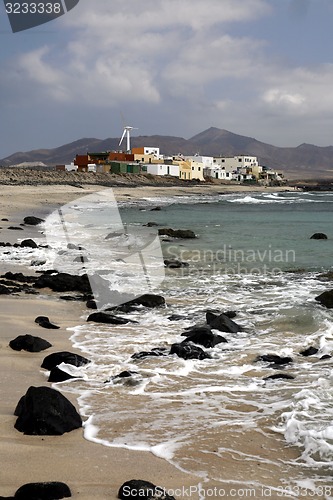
x: 220, y: 418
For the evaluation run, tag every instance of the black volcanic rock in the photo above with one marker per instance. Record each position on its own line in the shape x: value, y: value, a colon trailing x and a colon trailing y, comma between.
x: 147, y: 300
x: 45, y: 411
x: 107, y: 318
x: 310, y: 351
x: 43, y: 491
x: 58, y: 375
x: 44, y: 322
x: 156, y: 352
x: 319, y: 236
x: 29, y: 243
x: 177, y: 233
x: 175, y: 264
x: 19, y: 277
x: 56, y: 358
x: 189, y: 351
x: 137, y: 488
x: 64, y: 282
x: 274, y: 358
x: 326, y: 299
x: 4, y: 290
x: 205, y: 338
x: 125, y: 374
x: 222, y: 322
x: 29, y: 343
x: 32, y: 221
x: 280, y: 376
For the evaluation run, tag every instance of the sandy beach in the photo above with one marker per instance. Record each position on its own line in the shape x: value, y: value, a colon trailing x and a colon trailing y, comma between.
x: 90, y: 470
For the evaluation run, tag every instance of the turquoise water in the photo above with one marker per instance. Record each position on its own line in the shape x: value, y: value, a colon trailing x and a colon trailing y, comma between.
x: 271, y: 230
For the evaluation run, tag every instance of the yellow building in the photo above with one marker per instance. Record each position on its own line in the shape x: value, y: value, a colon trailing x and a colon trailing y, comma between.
x: 189, y: 170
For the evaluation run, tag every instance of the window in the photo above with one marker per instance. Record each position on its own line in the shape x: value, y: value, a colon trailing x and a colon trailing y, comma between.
x: 199, y: 169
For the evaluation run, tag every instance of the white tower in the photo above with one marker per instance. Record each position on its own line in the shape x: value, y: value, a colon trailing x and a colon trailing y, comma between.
x: 126, y: 132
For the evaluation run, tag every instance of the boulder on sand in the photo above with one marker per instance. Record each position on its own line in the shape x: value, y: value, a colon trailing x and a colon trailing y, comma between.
x: 44, y: 322
x: 44, y: 411
x: 29, y: 343
x: 64, y: 282
x: 43, y: 491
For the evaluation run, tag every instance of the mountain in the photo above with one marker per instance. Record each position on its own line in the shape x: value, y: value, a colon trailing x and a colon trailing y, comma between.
x: 303, y: 161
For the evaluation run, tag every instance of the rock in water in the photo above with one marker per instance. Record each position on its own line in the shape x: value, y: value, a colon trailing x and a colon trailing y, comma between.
x: 175, y: 264
x: 189, y: 351
x: 280, y: 376
x: 148, y: 300
x: 275, y: 359
x: 29, y: 243
x: 177, y: 233
x: 29, y: 343
x: 102, y: 317
x: 319, y: 236
x: 206, y: 339
x: 43, y: 491
x: 70, y: 358
x: 32, y: 221
x: 326, y: 299
x: 57, y: 375
x: 310, y: 351
x: 222, y: 323
x: 44, y: 411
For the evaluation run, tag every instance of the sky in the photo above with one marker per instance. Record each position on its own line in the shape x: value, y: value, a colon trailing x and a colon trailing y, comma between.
x: 260, y: 68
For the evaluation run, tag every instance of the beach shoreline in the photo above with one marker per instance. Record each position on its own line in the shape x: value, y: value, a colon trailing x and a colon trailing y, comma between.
x: 91, y: 470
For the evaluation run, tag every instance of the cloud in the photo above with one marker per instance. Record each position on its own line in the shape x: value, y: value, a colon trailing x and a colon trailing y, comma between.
x: 132, y: 51
x: 278, y: 97
x: 177, y: 66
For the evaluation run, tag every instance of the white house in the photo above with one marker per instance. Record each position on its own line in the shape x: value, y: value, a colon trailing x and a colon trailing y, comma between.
x: 207, y: 161
x: 216, y: 172
x: 163, y: 169
x: 71, y: 168
x: 234, y: 162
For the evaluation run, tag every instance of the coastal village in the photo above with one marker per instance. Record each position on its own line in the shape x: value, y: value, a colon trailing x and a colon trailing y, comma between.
x: 148, y: 160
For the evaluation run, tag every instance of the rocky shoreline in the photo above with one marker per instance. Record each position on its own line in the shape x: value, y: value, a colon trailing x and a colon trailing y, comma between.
x: 57, y: 465
x: 33, y: 177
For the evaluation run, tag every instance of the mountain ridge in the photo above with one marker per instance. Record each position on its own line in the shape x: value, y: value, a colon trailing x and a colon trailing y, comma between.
x: 302, y: 161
